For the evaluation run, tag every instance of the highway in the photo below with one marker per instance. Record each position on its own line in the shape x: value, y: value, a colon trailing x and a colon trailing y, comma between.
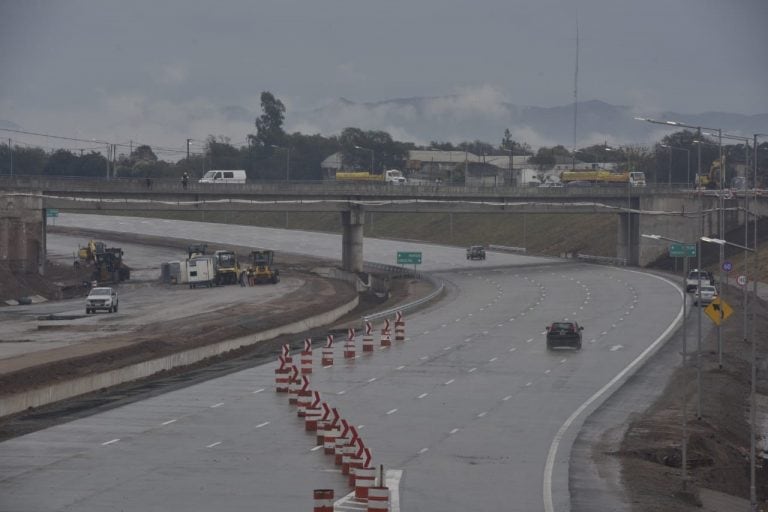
x: 471, y: 407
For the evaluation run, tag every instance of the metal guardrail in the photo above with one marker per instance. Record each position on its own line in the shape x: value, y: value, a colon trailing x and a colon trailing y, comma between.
x: 506, y: 248
x: 405, y: 307
x: 603, y: 260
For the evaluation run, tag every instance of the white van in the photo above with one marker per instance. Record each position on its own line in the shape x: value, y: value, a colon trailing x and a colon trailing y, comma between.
x: 224, y: 176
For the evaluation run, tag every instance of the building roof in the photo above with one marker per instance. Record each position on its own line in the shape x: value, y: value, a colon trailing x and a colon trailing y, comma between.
x: 442, y: 156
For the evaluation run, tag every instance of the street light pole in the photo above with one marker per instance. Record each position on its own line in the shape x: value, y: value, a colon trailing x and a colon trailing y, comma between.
x: 684, y: 448
x: 367, y: 149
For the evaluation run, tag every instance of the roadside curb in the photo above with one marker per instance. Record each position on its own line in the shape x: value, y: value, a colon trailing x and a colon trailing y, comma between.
x: 53, y: 393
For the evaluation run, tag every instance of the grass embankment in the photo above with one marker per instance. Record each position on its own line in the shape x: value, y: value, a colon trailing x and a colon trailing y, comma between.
x: 544, y: 234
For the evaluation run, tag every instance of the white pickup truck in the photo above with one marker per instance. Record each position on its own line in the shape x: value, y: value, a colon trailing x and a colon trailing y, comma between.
x: 104, y: 298
x: 692, y: 280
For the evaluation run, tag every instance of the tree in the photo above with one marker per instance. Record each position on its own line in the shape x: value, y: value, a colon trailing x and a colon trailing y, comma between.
x: 269, y: 125
x: 143, y: 153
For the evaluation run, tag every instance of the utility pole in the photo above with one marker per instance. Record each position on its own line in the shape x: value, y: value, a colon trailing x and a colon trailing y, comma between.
x: 10, y: 152
x: 188, y: 141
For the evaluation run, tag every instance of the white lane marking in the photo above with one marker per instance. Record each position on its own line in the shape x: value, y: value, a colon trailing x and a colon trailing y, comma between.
x: 528, y: 384
x: 529, y: 340
x: 513, y: 349
x: 547, y: 371
x: 426, y: 332
x: 453, y: 431
x: 217, y: 443
x: 380, y: 348
x: 372, y: 379
x: 424, y: 357
x: 508, y: 397
x: 592, y: 340
x: 258, y: 391
x: 468, y: 339
x: 447, y: 348
x: 481, y: 414
x: 499, y: 325
x: 328, y: 470
x: 492, y: 359
x: 329, y: 366
x: 450, y: 381
x: 341, y: 392
x: 400, y: 367
x: 613, y: 326
x: 485, y: 333
x: 316, y: 448
x: 469, y: 314
x: 616, y: 347
x: 110, y: 442
x: 422, y: 395
x: 167, y: 422
x: 550, y: 464
x: 423, y: 450
x: 262, y: 424
x: 603, y: 333
x: 360, y: 427
x: 511, y: 319
x: 444, y: 325
x: 471, y: 370
x: 457, y: 320
x: 217, y: 405
x: 393, y: 411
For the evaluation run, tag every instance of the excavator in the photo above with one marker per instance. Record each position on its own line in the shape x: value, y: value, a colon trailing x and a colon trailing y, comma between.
x: 711, y: 180
x: 261, y: 269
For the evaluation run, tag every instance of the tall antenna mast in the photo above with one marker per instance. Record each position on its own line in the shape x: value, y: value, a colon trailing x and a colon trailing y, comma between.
x: 575, y: 95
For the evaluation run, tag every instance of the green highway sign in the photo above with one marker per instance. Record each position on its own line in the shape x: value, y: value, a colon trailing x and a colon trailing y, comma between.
x: 51, y: 212
x: 408, y: 258
x: 682, y: 250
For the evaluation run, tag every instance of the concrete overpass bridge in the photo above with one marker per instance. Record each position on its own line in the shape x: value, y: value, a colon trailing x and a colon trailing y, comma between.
x: 672, y: 212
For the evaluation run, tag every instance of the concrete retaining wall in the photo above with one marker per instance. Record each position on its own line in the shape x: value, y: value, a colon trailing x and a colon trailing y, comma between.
x: 35, y: 398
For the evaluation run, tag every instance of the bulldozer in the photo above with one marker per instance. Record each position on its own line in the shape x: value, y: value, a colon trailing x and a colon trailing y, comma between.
x: 227, y: 267
x: 110, y: 267
x: 261, y: 269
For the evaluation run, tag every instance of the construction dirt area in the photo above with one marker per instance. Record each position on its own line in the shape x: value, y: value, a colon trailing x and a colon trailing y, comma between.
x: 650, y: 453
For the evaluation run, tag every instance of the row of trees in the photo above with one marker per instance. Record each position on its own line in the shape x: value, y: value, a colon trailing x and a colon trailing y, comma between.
x: 273, y: 154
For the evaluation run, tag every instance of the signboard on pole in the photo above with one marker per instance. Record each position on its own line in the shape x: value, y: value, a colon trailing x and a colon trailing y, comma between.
x: 682, y: 250
x: 51, y: 212
x: 718, y: 311
x: 727, y: 266
x: 742, y: 280
x: 408, y: 258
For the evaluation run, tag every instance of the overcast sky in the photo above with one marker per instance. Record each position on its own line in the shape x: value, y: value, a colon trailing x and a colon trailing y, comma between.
x: 162, y: 71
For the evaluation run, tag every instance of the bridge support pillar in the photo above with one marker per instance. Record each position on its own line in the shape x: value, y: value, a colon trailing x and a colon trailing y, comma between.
x: 629, y: 238
x: 352, y: 239
x: 22, y: 233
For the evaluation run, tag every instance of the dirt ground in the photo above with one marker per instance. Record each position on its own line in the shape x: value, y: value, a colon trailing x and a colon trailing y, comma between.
x: 718, y: 443
x: 161, y: 338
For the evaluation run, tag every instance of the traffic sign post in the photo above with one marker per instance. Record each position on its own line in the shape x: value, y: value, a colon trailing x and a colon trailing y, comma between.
x: 408, y: 258
x: 727, y: 266
x: 742, y: 280
x: 718, y: 311
x: 52, y: 213
x: 682, y: 250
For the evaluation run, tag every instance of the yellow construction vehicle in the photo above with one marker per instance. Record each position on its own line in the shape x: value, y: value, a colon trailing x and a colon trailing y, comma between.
x: 227, y: 267
x: 261, y: 269
x: 712, y: 179
x: 87, y: 255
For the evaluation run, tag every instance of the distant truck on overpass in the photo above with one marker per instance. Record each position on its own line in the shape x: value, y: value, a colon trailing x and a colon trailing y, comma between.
x: 392, y: 176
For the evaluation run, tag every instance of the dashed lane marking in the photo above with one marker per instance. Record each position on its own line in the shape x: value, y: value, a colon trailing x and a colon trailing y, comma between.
x: 342, y: 392
x: 372, y: 379
x: 400, y: 367
x: 506, y: 398
x: 393, y: 411
x: 110, y: 442
x: 492, y: 359
x: 316, y: 448
x: 481, y: 414
x: 262, y: 424
x: 422, y: 395
x: 423, y: 450
x: 258, y: 391
x: 212, y: 445
x: 214, y: 406
x: 167, y: 422
x: 453, y: 431
x: 450, y: 381
x: 616, y: 347
x: 471, y: 370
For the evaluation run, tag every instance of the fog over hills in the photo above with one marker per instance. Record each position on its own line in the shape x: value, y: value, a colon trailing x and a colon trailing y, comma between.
x: 483, y: 115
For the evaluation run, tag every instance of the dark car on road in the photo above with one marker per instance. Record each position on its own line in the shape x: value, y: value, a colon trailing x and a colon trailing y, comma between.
x: 564, y: 334
x: 476, y: 252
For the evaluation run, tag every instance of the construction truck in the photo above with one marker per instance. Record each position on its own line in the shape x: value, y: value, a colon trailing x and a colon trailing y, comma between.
x: 196, y: 250
x: 392, y: 176
x: 711, y: 180
x: 602, y: 177
x: 227, y: 267
x: 261, y: 269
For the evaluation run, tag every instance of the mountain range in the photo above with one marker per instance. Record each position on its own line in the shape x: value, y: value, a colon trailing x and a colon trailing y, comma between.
x: 484, y: 117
